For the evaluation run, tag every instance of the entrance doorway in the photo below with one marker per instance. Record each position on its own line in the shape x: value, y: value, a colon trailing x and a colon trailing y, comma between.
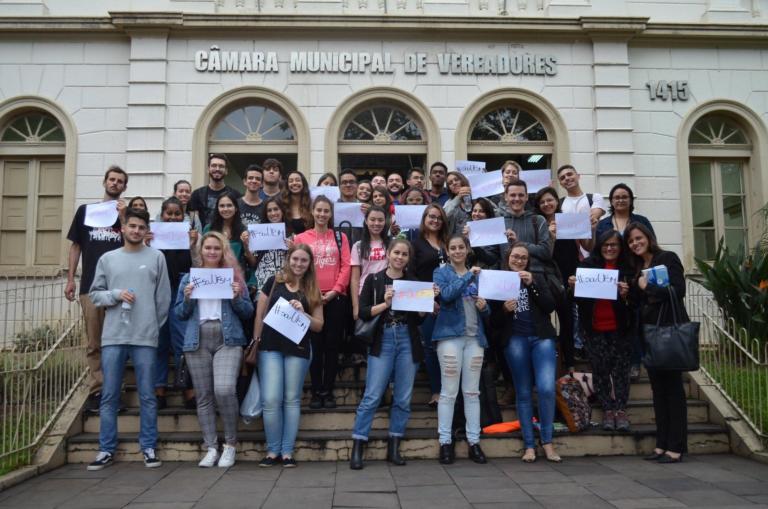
x: 368, y: 165
x: 239, y: 162
x: 493, y: 162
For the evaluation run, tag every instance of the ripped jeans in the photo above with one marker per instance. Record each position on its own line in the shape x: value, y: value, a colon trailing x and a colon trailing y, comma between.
x: 461, y: 360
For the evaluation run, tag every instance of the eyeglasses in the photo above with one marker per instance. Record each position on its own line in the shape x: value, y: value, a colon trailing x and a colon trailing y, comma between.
x: 620, y: 198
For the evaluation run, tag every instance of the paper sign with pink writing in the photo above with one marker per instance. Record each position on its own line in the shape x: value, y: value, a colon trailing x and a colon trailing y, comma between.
x: 170, y: 235
x: 211, y: 283
x: 498, y: 285
x: 287, y: 320
x: 101, y: 215
x: 597, y: 283
x: 413, y: 296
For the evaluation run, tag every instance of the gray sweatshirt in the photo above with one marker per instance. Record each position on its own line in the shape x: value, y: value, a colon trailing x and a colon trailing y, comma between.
x: 145, y: 273
x: 539, y: 242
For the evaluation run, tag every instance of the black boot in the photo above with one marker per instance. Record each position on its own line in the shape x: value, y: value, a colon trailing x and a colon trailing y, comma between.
x: 476, y: 454
x: 356, y: 458
x: 393, y: 451
x: 447, y: 454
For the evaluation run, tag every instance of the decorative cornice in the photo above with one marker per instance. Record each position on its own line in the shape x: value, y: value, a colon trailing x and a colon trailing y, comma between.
x: 490, y: 26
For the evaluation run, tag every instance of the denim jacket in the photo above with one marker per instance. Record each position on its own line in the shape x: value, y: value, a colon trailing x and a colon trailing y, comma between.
x: 450, y: 322
x: 232, y: 311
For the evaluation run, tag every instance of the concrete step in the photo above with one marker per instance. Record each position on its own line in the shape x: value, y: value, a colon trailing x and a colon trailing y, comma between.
x: 342, y: 418
x: 419, y: 443
x: 349, y: 392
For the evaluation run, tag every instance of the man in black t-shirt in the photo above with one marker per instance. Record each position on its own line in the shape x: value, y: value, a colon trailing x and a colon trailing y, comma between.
x: 251, y: 205
x: 203, y: 199
x: 91, y: 242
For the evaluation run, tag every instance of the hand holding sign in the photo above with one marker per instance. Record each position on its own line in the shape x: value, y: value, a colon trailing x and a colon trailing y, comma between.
x: 487, y: 232
x: 500, y: 285
x: 573, y: 226
x: 597, y: 283
x: 287, y: 320
x: 266, y: 236
x: 211, y: 283
x: 170, y: 235
x: 413, y: 296
x: 101, y: 215
x: 486, y: 184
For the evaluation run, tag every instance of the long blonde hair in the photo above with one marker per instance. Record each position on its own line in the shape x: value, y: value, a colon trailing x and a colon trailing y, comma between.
x: 228, y: 259
x: 308, y: 282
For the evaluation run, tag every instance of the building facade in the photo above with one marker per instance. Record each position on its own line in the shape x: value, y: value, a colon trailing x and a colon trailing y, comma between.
x: 668, y: 97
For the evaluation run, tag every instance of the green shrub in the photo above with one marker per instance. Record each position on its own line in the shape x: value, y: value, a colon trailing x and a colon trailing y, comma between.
x: 739, y: 283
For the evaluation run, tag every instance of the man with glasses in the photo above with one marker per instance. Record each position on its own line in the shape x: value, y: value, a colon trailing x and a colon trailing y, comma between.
x: 348, y: 186
x: 203, y: 199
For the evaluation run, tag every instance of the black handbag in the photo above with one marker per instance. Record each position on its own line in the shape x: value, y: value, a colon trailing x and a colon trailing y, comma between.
x: 365, y: 329
x: 181, y: 379
x: 672, y: 347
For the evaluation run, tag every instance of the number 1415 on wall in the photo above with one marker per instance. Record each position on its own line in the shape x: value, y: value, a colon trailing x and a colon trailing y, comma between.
x: 664, y: 90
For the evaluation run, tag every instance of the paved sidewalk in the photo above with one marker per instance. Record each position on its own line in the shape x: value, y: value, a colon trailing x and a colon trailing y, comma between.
x: 718, y: 481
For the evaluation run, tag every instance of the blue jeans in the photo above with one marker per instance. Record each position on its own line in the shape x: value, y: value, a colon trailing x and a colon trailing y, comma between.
x: 461, y: 360
x: 171, y: 338
x: 282, y: 379
x: 395, y: 358
x: 430, y: 356
x: 532, y: 358
x: 113, y: 359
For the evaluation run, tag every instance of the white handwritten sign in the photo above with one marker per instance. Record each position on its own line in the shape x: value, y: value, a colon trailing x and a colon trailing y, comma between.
x: 409, y: 216
x: 536, y: 179
x: 487, y: 232
x: 597, y: 283
x: 170, y: 235
x: 333, y: 193
x: 211, y: 283
x: 287, y: 320
x: 470, y: 167
x: 498, y: 285
x: 573, y: 226
x: 266, y: 236
x: 486, y: 184
x: 348, y: 212
x: 102, y: 214
x: 413, y: 296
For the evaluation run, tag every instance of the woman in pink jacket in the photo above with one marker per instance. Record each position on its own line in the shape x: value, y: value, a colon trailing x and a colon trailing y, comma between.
x: 331, y: 254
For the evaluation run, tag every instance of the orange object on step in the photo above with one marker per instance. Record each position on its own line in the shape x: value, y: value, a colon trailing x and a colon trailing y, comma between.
x: 502, y: 427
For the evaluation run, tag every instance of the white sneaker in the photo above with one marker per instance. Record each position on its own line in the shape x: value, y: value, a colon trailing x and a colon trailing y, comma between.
x: 227, y: 457
x: 210, y: 458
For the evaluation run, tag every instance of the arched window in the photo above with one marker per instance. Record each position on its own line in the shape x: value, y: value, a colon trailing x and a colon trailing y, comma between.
x: 505, y: 132
x: 31, y: 190
x: 382, y: 137
x: 719, y: 151
x: 250, y: 133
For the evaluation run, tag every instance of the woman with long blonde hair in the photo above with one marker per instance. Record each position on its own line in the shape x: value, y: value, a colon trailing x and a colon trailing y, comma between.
x: 283, y: 364
x: 213, y: 348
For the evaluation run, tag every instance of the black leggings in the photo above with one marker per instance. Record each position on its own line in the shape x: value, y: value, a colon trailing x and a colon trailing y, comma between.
x: 609, y: 354
x: 326, y: 344
x: 670, y: 408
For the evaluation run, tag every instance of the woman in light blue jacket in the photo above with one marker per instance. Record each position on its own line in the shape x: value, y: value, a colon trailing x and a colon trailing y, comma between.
x: 461, y: 341
x: 213, y: 348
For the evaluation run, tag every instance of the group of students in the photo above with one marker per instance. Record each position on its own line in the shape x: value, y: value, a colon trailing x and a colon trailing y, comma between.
x: 328, y: 276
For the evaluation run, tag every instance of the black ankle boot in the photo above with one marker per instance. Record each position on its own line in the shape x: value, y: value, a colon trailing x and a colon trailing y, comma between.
x: 393, y: 451
x: 476, y: 454
x: 356, y: 458
x: 447, y: 454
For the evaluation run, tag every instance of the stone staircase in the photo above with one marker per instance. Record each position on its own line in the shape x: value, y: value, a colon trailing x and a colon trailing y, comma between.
x: 324, y: 435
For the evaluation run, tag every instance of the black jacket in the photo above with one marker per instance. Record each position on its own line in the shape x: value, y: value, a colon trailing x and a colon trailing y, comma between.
x: 542, y: 304
x: 375, y: 283
x: 654, y: 301
x: 621, y: 307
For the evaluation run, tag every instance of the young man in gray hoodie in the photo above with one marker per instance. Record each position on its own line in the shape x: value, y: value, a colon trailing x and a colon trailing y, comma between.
x: 131, y: 283
x: 525, y: 226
